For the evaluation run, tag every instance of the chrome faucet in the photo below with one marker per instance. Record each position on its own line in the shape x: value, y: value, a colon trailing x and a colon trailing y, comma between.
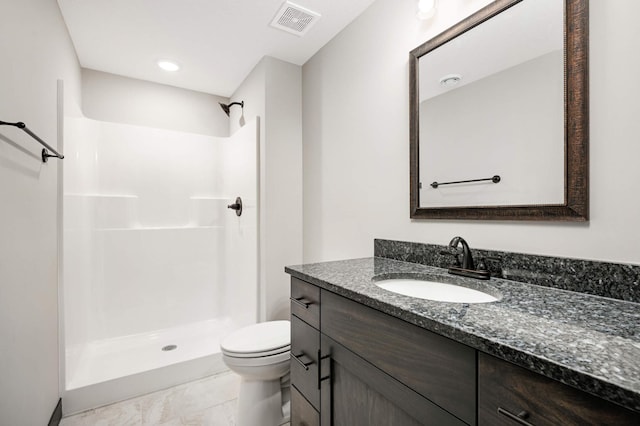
x: 466, y: 267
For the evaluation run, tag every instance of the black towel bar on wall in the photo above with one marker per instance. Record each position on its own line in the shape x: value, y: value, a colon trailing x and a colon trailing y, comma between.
x: 494, y: 179
x: 45, y: 153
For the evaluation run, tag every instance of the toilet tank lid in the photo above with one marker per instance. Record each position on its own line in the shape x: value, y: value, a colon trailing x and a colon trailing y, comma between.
x: 260, y: 337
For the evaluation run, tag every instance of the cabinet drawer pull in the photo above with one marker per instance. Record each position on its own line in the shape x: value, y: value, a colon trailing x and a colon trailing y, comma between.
x: 304, y: 365
x: 299, y: 302
x: 520, y: 418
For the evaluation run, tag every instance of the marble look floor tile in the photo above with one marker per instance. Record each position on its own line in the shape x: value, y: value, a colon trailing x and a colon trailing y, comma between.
x: 126, y: 413
x: 208, y: 393
x: 219, y: 415
x: 209, y: 401
x: 162, y: 407
x: 172, y: 422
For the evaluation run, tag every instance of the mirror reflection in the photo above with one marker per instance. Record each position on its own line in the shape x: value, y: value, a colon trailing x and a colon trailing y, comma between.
x: 492, y: 104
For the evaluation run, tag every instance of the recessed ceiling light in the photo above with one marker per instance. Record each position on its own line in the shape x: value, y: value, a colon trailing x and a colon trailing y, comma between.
x: 450, y: 80
x: 168, y: 65
x: 426, y: 9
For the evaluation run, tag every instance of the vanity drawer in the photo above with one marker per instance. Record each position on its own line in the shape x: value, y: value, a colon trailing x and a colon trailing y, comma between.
x: 302, y: 412
x: 305, y: 302
x: 506, y: 390
x: 437, y: 368
x: 305, y: 348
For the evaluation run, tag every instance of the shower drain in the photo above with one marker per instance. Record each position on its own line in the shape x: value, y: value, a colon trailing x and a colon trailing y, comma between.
x: 169, y: 347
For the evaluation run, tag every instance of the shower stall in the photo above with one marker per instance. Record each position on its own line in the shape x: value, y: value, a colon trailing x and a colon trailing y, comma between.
x: 156, y: 269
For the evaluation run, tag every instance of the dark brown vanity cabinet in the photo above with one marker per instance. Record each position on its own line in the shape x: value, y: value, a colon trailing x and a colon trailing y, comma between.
x: 305, y: 353
x: 374, y: 369
x: 383, y: 371
x: 356, y: 366
x: 302, y: 412
x: 511, y: 395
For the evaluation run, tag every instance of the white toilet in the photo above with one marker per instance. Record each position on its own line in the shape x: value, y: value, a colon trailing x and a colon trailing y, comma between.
x: 259, y: 353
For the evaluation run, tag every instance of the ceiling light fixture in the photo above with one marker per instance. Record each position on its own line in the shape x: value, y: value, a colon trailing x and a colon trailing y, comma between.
x: 426, y: 9
x: 168, y: 65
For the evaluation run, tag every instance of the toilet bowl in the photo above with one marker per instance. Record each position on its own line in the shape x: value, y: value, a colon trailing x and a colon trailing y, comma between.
x: 260, y: 355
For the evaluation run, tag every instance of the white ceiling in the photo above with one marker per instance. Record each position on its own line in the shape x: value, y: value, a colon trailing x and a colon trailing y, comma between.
x: 216, y: 42
x: 524, y: 32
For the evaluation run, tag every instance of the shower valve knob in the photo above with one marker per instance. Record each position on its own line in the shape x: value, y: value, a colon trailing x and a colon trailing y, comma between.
x: 237, y: 206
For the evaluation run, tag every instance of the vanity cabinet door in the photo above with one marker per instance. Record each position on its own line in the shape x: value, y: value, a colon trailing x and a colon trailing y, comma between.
x: 510, y: 395
x: 355, y: 393
x: 438, y: 369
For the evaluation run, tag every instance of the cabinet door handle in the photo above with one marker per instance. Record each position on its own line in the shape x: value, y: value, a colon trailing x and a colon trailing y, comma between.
x: 320, y: 378
x: 519, y: 418
x: 304, y: 365
x: 299, y: 302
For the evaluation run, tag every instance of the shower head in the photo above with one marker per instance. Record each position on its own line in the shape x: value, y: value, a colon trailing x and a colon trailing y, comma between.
x: 227, y: 107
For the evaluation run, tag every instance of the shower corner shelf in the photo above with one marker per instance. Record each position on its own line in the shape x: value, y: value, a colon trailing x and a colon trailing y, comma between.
x: 209, y: 198
x: 95, y: 195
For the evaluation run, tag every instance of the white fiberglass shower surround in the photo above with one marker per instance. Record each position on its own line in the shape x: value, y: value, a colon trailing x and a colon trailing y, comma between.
x: 156, y: 268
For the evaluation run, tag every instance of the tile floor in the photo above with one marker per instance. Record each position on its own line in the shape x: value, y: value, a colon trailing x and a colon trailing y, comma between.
x: 207, y: 402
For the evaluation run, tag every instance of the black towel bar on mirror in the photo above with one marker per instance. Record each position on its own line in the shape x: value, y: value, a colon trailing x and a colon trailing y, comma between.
x: 45, y: 153
x: 494, y: 179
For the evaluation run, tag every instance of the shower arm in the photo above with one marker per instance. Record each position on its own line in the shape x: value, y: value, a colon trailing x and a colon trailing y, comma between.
x: 227, y: 107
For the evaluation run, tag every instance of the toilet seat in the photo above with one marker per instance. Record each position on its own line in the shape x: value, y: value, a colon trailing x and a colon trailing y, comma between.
x: 275, y: 351
x: 257, y: 361
x: 258, y: 340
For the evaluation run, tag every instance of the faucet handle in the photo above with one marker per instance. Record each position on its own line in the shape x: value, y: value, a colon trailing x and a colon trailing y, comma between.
x: 482, y: 264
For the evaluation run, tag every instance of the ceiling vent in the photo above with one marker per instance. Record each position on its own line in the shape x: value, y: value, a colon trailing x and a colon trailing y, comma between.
x: 294, y: 19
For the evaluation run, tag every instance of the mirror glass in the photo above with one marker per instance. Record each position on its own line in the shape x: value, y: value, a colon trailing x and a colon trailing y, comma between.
x: 489, y: 127
x: 491, y: 103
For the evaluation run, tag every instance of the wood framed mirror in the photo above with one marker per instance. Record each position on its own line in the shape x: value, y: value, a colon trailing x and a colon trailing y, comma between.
x: 498, y: 146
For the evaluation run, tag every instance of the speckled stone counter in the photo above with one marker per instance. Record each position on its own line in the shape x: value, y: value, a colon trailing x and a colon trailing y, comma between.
x: 614, y: 280
x: 588, y: 342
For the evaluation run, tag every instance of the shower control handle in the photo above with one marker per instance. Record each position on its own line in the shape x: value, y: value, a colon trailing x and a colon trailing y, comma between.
x: 237, y: 206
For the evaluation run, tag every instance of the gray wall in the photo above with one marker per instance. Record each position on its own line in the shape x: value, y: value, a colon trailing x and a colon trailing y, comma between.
x: 36, y: 51
x: 110, y: 97
x: 356, y: 141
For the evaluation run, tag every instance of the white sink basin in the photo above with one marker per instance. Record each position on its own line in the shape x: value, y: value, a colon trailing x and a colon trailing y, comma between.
x: 433, y: 290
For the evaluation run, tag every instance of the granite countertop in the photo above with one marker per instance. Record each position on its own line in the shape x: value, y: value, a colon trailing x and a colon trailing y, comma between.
x: 588, y: 342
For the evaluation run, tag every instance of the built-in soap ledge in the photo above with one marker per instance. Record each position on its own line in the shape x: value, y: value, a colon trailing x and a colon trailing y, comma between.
x: 159, y: 228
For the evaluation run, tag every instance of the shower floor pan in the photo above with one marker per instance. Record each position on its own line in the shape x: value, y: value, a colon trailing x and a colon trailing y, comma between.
x: 112, y: 370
